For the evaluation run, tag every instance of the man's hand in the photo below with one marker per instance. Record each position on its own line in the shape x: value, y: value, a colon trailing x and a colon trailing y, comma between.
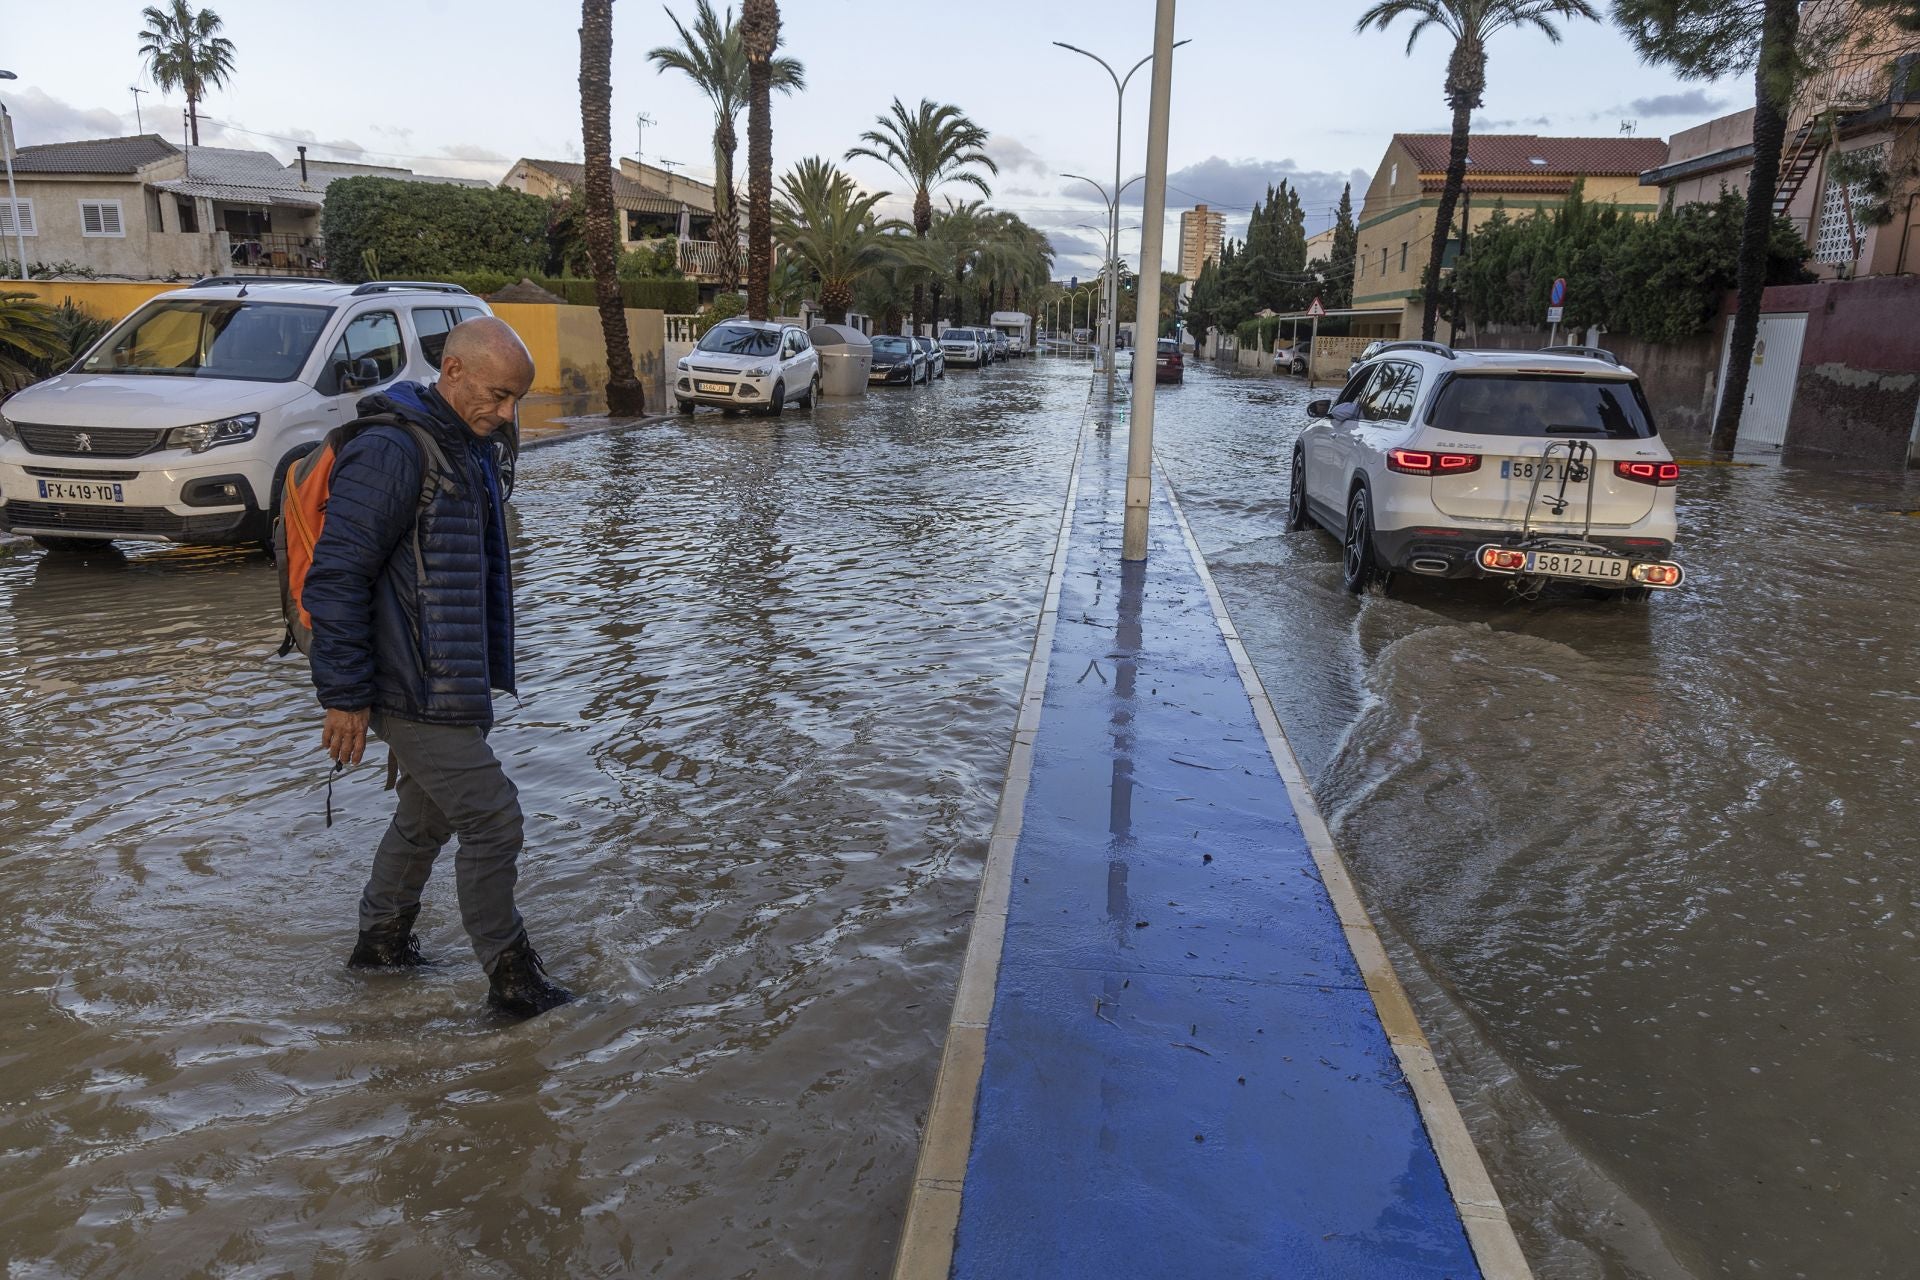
x: 344, y: 735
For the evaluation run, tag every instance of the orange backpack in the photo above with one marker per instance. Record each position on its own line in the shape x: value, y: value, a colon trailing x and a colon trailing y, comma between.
x: 303, y: 513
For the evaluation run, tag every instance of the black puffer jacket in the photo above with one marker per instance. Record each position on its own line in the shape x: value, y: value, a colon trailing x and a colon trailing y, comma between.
x: 422, y: 650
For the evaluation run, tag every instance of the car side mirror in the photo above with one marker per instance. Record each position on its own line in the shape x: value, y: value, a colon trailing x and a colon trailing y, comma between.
x: 364, y: 372
x: 1319, y: 408
x: 1344, y: 412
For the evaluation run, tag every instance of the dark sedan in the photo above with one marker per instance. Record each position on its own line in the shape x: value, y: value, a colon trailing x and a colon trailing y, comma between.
x: 897, y: 360
x: 1168, y: 364
x: 936, y: 358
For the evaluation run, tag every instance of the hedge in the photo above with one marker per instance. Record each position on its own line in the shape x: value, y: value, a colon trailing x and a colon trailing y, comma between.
x: 675, y: 297
x: 409, y: 230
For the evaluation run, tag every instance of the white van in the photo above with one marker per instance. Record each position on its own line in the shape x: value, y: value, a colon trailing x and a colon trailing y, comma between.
x: 179, y: 425
x: 1018, y: 326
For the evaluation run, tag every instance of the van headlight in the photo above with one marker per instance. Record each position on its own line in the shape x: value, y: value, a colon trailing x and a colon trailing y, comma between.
x: 202, y: 436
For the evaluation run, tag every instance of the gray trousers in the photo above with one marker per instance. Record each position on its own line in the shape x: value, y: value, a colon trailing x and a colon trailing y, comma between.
x: 450, y: 783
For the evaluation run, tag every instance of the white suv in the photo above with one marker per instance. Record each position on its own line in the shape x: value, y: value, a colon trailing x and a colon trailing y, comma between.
x: 179, y: 425
x: 1525, y: 465
x: 748, y: 364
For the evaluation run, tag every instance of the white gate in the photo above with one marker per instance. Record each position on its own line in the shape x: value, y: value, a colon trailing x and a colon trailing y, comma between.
x: 1770, y: 383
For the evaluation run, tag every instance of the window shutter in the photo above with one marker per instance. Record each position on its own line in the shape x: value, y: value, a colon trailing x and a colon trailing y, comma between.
x: 90, y: 219
x: 22, y: 209
x: 110, y: 220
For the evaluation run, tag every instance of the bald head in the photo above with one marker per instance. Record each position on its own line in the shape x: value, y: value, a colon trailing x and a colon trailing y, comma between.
x: 485, y: 370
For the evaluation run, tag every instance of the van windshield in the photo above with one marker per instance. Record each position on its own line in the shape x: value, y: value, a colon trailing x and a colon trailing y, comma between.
x: 213, y: 338
x: 1536, y: 404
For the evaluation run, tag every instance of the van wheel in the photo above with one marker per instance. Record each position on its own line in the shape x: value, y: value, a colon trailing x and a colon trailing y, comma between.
x: 1297, y: 494
x: 778, y: 402
x: 506, y: 458
x: 1359, y: 567
x: 74, y: 546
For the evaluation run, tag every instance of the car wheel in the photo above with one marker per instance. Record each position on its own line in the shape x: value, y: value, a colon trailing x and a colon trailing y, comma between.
x: 811, y: 394
x: 506, y: 458
x: 1297, y: 494
x: 778, y: 401
x: 1299, y: 368
x: 74, y: 546
x: 1358, y: 565
x: 685, y: 406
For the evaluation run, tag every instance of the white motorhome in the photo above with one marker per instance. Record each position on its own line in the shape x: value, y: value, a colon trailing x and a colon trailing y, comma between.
x: 1018, y: 327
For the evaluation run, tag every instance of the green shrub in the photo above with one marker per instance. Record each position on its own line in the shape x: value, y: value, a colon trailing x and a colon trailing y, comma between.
x: 676, y: 297
x: 652, y: 260
x: 724, y: 306
x: 415, y: 230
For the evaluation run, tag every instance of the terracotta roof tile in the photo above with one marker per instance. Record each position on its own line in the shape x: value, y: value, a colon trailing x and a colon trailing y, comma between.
x: 1517, y: 153
x: 94, y: 155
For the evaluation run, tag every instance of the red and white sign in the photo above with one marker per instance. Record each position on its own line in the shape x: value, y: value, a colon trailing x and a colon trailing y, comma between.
x: 1316, y: 310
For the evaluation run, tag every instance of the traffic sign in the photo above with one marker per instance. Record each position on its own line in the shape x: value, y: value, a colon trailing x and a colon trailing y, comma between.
x: 1557, y: 296
x: 1554, y: 314
x: 1316, y: 310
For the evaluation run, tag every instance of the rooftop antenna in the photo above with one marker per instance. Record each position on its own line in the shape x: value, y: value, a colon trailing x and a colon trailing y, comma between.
x: 669, y: 166
x: 1628, y: 126
x: 138, y: 125
x: 640, y: 121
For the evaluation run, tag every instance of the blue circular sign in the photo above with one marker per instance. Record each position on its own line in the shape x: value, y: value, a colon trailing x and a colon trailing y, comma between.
x: 1558, y: 296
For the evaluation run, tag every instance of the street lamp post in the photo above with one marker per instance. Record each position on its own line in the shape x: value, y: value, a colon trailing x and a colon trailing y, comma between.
x: 1113, y: 219
x: 13, y: 196
x: 1133, y: 541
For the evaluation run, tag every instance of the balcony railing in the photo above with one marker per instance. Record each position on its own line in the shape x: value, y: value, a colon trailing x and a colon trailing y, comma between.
x: 700, y: 259
x: 272, y: 253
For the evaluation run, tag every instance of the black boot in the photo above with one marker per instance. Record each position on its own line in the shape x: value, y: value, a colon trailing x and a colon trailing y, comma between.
x: 388, y: 945
x: 520, y: 985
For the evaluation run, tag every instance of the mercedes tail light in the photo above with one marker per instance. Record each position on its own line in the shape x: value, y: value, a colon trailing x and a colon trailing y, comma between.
x: 1663, y: 475
x: 1422, y: 462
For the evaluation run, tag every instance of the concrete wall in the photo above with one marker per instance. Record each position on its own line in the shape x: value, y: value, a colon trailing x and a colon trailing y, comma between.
x: 144, y: 252
x: 1858, y: 393
x: 110, y: 300
x: 570, y: 353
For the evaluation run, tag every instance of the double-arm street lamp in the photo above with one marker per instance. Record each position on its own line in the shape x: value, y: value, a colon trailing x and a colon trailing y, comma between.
x: 1108, y: 339
x: 1113, y: 217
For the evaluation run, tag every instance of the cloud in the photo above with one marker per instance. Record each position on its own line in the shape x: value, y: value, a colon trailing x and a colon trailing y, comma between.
x: 39, y: 117
x: 469, y: 152
x: 1235, y: 186
x: 1694, y: 102
x: 1013, y: 155
x: 1068, y: 244
x: 1480, y: 123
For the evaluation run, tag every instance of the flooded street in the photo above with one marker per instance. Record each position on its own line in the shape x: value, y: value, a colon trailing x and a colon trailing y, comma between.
x: 1651, y: 868
x: 769, y: 673
x: 1649, y: 871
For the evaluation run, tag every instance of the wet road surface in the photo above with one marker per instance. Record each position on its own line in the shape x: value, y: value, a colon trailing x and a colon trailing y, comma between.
x: 1650, y: 869
x: 769, y: 673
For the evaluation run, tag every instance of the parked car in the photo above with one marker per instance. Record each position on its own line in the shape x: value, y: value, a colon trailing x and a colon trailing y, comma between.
x: 1169, y: 364
x: 1534, y: 466
x: 1367, y: 353
x: 897, y: 360
x: 179, y: 424
x: 1290, y: 355
x: 936, y: 358
x: 964, y: 347
x: 1002, y: 344
x: 749, y: 364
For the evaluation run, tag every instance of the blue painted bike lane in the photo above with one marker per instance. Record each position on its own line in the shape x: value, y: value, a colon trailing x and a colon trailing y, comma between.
x: 1184, y: 1072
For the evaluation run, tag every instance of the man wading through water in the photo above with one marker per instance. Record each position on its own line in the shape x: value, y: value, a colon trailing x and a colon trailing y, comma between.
x: 411, y: 634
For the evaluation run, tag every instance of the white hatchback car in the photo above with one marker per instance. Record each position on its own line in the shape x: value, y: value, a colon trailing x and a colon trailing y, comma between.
x: 748, y: 364
x: 1532, y: 466
x: 179, y: 425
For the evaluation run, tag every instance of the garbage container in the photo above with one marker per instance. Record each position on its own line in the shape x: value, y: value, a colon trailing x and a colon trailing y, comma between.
x: 845, y: 359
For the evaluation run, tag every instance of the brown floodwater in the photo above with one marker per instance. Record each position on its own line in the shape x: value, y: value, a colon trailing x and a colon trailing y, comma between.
x: 1650, y: 870
x: 769, y: 673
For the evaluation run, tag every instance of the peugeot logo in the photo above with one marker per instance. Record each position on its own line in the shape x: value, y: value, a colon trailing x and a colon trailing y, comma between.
x: 83, y: 442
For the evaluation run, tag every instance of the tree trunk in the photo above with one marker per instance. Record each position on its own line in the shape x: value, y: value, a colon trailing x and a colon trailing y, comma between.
x: 1466, y: 80
x: 937, y: 291
x: 726, y: 210
x: 1772, y: 100
x: 759, y: 33
x: 922, y: 224
x: 836, y: 297
x: 193, y: 118
x: 626, y: 397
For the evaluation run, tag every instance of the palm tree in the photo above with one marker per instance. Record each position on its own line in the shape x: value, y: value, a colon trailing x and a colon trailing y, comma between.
x: 1706, y: 39
x: 759, y: 37
x: 929, y: 146
x: 712, y: 57
x: 829, y: 230
x: 1471, y: 23
x: 626, y: 397
x: 953, y: 242
x: 185, y: 50
x: 28, y: 335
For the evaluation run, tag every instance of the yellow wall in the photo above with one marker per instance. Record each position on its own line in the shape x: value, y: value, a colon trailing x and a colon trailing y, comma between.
x: 110, y: 300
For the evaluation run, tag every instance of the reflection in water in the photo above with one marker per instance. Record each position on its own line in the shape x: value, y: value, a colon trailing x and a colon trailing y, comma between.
x: 1651, y: 869
x: 768, y: 673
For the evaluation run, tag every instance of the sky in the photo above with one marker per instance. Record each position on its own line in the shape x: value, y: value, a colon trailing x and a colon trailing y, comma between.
x: 1268, y: 89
